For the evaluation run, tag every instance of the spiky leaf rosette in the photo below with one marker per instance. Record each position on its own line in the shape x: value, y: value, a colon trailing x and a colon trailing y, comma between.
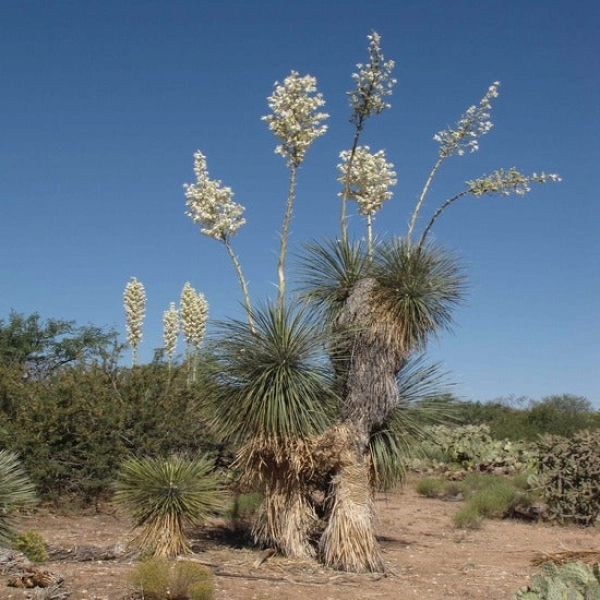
x: 273, y: 381
x: 163, y: 495
x: 415, y: 294
x: 16, y: 491
x: 329, y: 270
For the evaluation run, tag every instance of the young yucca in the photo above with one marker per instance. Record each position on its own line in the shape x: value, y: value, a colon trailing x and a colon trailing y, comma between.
x: 162, y: 495
x: 16, y: 491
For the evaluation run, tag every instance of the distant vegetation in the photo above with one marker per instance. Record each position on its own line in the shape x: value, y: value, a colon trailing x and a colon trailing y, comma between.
x: 73, y: 413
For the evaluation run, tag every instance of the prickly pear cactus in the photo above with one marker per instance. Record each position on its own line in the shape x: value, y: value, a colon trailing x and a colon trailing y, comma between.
x: 572, y: 581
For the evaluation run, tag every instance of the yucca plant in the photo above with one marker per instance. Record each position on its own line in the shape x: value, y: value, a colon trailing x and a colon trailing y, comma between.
x: 396, y: 300
x: 420, y: 387
x: 162, y: 495
x: 273, y: 396
x: 16, y: 491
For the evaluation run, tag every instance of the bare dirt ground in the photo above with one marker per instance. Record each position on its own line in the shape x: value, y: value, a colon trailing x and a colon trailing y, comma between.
x: 426, y: 557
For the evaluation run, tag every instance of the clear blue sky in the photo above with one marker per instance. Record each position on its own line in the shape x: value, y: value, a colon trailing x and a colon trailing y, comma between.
x: 104, y: 103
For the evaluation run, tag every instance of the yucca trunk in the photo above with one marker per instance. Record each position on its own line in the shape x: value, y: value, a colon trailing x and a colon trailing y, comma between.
x: 164, y: 535
x: 285, y: 521
x: 348, y: 542
x: 367, y: 359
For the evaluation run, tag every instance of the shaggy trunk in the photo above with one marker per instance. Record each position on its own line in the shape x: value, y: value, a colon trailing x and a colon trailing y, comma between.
x: 348, y: 542
x: 283, y: 473
x: 367, y: 359
x: 164, y: 535
x: 285, y: 521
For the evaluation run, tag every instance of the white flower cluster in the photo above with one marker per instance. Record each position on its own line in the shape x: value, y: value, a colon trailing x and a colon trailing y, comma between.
x: 373, y: 83
x: 194, y: 312
x: 295, y: 120
x: 474, y: 123
x: 211, y: 205
x: 508, y: 182
x: 170, y: 329
x: 369, y: 180
x: 134, y: 301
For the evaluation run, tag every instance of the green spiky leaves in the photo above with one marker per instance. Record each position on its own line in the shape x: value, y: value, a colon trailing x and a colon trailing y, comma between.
x: 16, y: 491
x: 273, y: 379
x: 162, y: 495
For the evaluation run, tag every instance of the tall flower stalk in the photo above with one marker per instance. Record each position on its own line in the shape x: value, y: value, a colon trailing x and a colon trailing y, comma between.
x: 367, y: 179
x: 134, y: 300
x: 194, y: 313
x: 170, y: 331
x: 373, y: 83
x: 210, y: 205
x: 500, y: 182
x: 475, y: 123
x: 296, y: 122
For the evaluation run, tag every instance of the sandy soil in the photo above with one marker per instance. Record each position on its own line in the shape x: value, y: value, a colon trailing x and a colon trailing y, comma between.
x: 427, y: 558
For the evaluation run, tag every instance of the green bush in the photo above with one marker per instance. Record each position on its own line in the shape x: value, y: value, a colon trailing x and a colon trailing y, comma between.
x: 495, y: 499
x: 33, y: 545
x: 467, y: 517
x: 569, y: 476
x: 161, y: 579
x: 75, y: 427
x: 491, y: 496
x: 431, y: 487
x: 152, y: 577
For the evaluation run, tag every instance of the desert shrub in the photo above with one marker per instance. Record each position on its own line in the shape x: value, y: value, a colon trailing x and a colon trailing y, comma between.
x: 525, y: 419
x: 151, y: 576
x: 191, y: 580
x: 67, y: 428
x: 33, y: 545
x: 569, y: 476
x: 493, y: 496
x: 467, y: 517
x: 571, y: 581
x: 76, y: 427
x: 430, y: 487
x: 161, y: 579
x: 164, y: 494
x: 495, y: 499
x: 16, y: 491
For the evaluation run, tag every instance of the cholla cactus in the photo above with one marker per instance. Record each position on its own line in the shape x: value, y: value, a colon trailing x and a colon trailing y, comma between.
x: 134, y: 300
x: 295, y: 120
x: 210, y: 204
x: 170, y: 330
x: 194, y: 312
x: 373, y: 81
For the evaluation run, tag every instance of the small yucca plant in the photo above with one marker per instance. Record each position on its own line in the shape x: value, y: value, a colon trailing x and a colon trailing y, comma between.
x: 16, y: 491
x: 163, y: 495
